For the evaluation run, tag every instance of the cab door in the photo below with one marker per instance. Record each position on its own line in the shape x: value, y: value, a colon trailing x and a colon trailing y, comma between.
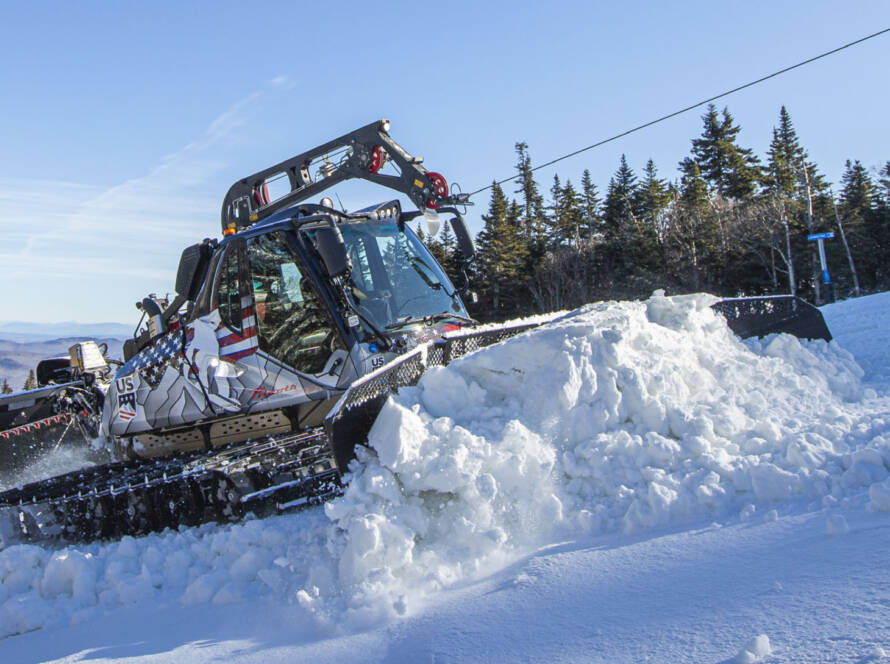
x: 237, y: 332
x: 222, y: 340
x: 293, y: 325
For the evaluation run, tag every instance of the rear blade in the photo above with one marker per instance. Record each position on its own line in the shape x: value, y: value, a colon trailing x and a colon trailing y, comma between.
x: 759, y: 316
x: 21, y: 408
x: 31, y: 422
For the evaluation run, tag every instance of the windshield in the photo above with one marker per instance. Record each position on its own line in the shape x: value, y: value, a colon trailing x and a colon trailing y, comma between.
x: 395, y: 277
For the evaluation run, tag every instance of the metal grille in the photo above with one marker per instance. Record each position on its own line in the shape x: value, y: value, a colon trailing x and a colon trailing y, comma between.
x: 467, y: 343
x: 407, y: 369
x: 351, y: 419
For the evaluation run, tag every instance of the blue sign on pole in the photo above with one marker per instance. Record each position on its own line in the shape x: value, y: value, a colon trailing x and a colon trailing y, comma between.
x: 819, y: 238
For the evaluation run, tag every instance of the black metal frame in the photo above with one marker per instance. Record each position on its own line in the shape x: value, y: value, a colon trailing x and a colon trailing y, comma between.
x: 246, y: 203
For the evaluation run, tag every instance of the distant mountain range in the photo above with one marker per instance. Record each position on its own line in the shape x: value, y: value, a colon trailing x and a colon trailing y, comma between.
x: 26, y: 332
x: 18, y: 358
x: 23, y: 345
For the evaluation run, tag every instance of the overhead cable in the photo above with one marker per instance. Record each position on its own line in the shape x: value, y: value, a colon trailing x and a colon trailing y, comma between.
x: 688, y: 108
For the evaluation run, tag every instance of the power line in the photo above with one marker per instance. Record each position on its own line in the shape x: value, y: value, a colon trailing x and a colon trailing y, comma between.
x: 688, y: 108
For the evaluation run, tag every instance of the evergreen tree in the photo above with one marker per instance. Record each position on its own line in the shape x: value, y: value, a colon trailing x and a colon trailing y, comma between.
x: 532, y: 203
x: 859, y: 207
x: 566, y: 215
x: 857, y: 194
x: 882, y: 203
x: 31, y: 381
x: 591, y: 220
x: 453, y: 261
x: 789, y: 169
x: 693, y: 189
x: 653, y: 196
x: 622, y: 252
x: 884, y: 182
x: 730, y: 170
x: 786, y: 159
x: 6, y: 389
x: 572, y: 218
x: 554, y: 212
x: 692, y: 232
x: 795, y: 183
x: 447, y: 239
x: 882, y: 216
x: 502, y: 258
x: 618, y: 213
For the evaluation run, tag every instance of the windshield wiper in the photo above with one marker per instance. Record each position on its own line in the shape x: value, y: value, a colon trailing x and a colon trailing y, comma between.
x: 413, y: 320
x: 437, y: 285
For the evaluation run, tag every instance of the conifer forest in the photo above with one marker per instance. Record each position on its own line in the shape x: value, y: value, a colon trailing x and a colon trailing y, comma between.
x: 729, y: 223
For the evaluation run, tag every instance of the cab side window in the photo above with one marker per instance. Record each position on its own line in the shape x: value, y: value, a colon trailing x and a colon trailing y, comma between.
x: 292, y: 323
x: 229, y: 290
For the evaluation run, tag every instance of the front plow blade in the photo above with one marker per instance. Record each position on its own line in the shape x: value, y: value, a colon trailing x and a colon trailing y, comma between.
x: 351, y: 419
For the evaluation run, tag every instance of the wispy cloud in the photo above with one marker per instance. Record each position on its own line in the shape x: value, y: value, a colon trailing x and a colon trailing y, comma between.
x: 133, y: 232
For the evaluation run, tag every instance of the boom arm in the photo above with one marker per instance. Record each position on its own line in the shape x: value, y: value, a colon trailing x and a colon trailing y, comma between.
x: 365, y: 151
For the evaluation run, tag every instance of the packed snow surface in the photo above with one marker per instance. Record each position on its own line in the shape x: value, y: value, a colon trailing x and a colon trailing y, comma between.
x: 613, y: 421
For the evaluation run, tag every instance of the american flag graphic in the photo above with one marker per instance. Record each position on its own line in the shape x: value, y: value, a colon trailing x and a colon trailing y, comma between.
x: 152, y: 362
x: 126, y: 415
x: 164, y: 348
x: 232, y: 345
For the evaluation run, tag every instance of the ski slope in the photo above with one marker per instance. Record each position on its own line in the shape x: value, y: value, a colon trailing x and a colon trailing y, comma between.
x: 627, y: 483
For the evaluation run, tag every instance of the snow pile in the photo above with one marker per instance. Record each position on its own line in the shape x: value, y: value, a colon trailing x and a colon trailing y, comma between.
x: 621, y: 416
x: 437, y: 505
x: 615, y: 418
x: 217, y: 564
x: 654, y: 411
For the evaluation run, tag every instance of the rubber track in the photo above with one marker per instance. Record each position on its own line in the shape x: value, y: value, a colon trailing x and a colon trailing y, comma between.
x: 134, y: 498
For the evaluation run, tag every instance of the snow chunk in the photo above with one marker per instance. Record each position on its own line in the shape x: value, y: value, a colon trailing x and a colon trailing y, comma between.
x: 69, y: 573
x: 836, y: 524
x: 879, y: 496
x: 755, y: 650
x: 876, y: 653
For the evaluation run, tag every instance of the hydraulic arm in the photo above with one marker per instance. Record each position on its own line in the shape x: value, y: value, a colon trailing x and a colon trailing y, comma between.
x: 359, y: 154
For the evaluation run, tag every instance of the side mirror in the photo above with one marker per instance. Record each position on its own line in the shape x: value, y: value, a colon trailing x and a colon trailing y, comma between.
x: 329, y: 242
x: 465, y: 244
x: 188, y: 266
x: 193, y: 268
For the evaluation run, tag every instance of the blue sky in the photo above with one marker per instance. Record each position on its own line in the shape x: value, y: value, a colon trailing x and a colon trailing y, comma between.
x: 123, y: 126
